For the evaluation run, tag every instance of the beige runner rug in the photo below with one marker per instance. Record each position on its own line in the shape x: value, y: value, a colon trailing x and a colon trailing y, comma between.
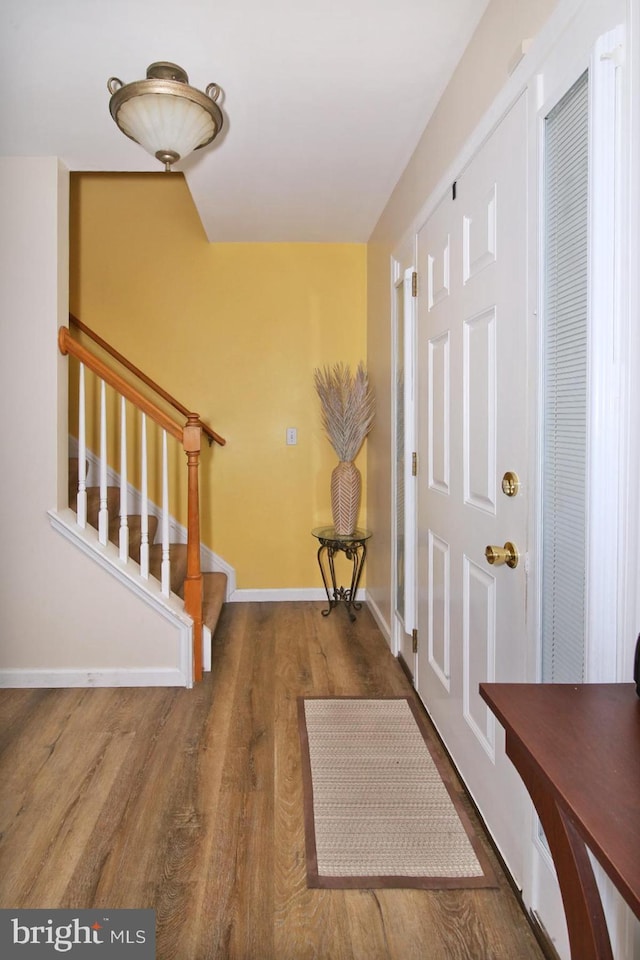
x: 378, y: 810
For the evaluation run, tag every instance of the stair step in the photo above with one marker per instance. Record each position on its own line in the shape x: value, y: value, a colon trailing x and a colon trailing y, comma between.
x: 73, y: 478
x: 93, y: 505
x: 178, y: 558
x: 214, y: 584
x: 135, y: 533
x: 214, y: 592
x: 134, y: 520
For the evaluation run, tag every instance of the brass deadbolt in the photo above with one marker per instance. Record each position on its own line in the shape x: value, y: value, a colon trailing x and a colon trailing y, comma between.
x: 510, y: 484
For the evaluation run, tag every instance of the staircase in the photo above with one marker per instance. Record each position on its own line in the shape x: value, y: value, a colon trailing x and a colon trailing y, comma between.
x: 177, y: 566
x: 214, y: 584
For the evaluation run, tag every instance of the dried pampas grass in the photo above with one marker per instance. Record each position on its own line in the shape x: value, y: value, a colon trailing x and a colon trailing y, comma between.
x: 348, y: 407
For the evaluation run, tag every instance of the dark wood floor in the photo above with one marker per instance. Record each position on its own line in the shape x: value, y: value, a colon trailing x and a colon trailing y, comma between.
x: 189, y: 801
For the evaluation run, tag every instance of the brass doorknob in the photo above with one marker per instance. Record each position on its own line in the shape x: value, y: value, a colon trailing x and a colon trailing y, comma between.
x: 499, y: 555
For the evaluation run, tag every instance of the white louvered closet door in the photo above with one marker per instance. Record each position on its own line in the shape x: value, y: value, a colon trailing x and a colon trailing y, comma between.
x: 564, y: 476
x: 578, y: 132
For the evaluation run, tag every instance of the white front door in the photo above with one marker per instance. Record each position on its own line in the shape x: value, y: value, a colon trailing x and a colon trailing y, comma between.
x: 472, y: 431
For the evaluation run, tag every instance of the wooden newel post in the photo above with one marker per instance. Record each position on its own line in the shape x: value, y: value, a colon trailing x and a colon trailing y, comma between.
x: 193, y: 581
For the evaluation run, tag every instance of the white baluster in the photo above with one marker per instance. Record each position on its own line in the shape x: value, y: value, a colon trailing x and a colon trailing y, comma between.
x: 103, y: 512
x: 81, y: 497
x: 166, y: 563
x: 124, y: 499
x: 144, y: 508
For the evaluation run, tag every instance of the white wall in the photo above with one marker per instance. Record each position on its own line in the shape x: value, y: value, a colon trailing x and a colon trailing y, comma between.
x: 62, y: 618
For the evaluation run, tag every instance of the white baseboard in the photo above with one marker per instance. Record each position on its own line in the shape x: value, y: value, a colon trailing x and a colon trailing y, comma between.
x: 92, y: 678
x: 291, y: 593
x: 377, y: 616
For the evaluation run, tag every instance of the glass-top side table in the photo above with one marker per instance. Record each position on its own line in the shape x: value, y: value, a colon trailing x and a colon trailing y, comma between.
x: 354, y: 548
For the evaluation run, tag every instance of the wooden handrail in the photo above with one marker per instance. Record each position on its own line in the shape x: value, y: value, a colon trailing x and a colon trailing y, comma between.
x: 68, y: 345
x: 211, y: 435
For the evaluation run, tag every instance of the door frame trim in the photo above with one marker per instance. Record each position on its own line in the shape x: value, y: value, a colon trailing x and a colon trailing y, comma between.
x: 401, y: 266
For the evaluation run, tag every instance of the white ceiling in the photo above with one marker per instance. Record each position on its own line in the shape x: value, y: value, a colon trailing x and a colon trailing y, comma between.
x: 324, y: 100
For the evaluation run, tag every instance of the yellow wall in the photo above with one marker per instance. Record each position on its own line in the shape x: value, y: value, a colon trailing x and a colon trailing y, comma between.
x: 234, y: 331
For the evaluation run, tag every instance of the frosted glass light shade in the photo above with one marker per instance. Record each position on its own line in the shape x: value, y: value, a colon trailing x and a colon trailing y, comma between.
x: 164, y: 123
x: 164, y: 114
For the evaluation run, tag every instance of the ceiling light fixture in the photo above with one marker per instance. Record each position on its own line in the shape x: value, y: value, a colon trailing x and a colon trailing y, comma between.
x: 164, y: 114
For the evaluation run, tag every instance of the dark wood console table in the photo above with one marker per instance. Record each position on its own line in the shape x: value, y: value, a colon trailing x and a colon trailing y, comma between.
x: 577, y: 749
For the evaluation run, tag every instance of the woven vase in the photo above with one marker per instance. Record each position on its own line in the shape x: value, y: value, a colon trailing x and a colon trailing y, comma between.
x: 345, y: 497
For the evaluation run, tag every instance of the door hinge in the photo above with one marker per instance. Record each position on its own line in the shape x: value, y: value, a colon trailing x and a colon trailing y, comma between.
x: 414, y: 464
x: 414, y: 637
x: 414, y: 284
